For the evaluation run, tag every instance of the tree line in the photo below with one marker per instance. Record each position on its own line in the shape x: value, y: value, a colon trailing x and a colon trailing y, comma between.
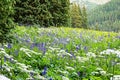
x: 42, y: 12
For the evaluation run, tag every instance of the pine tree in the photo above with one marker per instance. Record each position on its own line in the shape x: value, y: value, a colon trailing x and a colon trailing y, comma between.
x: 84, y: 18
x: 6, y: 22
x: 76, y: 19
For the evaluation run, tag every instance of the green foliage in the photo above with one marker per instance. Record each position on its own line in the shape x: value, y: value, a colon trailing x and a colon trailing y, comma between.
x: 78, y: 16
x: 106, y: 17
x: 84, y: 16
x: 42, y: 12
x: 6, y: 23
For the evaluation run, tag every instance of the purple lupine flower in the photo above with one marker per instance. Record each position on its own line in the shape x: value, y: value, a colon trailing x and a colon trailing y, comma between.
x: 66, y: 50
x: 27, y: 40
x: 32, y: 46
x: 11, y: 60
x: 81, y: 36
x: 9, y: 46
x: 44, y: 71
x: 86, y: 49
x: 73, y: 56
x: 79, y: 73
x: 42, y: 47
x: 118, y: 36
x: 31, y: 74
x: 78, y: 47
x: 50, y: 79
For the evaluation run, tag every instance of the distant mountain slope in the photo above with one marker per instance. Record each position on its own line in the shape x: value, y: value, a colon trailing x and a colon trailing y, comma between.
x: 106, y: 17
x: 89, y: 5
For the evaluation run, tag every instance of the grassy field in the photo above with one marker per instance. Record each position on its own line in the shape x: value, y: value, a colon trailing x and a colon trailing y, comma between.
x: 61, y: 54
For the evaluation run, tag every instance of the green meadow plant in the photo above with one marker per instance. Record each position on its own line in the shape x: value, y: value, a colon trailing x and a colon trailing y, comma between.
x: 61, y: 54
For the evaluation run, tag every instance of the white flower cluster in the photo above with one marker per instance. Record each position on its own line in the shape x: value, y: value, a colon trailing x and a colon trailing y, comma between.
x: 2, y: 52
x: 62, y: 72
x: 115, y: 77
x: 54, y: 49
x: 2, y: 77
x: 90, y: 54
x: 70, y: 68
x: 82, y: 59
x: 99, y: 71
x: 64, y: 78
x: 63, y: 53
x: 111, y: 51
x: 28, y: 52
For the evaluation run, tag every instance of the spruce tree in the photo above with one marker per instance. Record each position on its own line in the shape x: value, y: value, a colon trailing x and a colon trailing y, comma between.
x: 42, y: 12
x: 6, y: 22
x: 84, y: 18
x: 76, y: 19
x: 30, y: 12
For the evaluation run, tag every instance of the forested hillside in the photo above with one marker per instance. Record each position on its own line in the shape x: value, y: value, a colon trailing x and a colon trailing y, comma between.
x: 89, y: 5
x: 106, y: 17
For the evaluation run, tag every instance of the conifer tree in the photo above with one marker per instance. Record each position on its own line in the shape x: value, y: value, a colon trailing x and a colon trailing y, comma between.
x: 42, y: 12
x: 76, y: 19
x: 6, y: 22
x: 84, y: 18
x: 32, y: 12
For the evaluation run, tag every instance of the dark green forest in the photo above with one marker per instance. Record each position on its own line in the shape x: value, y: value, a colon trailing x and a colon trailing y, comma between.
x: 105, y: 17
x: 42, y: 12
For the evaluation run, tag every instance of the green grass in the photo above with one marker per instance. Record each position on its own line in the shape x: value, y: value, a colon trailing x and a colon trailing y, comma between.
x: 61, y: 54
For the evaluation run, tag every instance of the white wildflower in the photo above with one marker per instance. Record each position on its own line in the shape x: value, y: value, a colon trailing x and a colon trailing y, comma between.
x: 2, y: 77
x: 39, y: 77
x: 62, y: 72
x: 82, y: 59
x: 62, y: 52
x: 65, y: 72
x: 69, y: 68
x: 111, y: 51
x: 64, y: 78
x: 28, y: 52
x: 54, y: 49
x: 102, y: 72
x: 90, y: 54
x: 2, y: 52
x: 115, y: 77
x: 7, y: 68
x: 22, y: 65
x: 94, y: 73
x: 30, y: 78
x: 118, y: 64
x: 1, y: 49
x: 108, y: 51
x: 99, y: 69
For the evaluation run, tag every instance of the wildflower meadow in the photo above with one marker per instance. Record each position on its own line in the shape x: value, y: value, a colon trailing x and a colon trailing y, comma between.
x: 61, y: 54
